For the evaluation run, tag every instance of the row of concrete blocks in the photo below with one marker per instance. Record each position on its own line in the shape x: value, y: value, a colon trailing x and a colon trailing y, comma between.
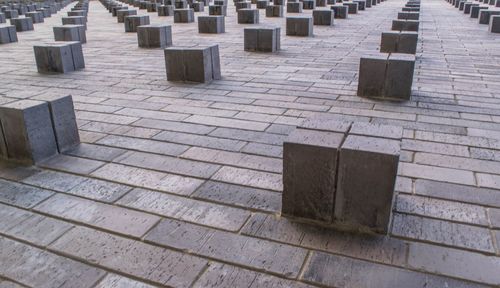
x: 401, y: 41
x: 32, y: 131
x: 341, y: 174
x: 46, y: 8
x: 486, y: 16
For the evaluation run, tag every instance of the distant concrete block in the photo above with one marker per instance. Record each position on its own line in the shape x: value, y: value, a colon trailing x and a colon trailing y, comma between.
x: 183, y: 15
x: 474, y: 11
x: 484, y: 15
x: 22, y: 24
x: 75, y: 20
x: 352, y: 7
x: 340, y: 11
x: 198, y: 6
x: 263, y: 39
x: 121, y: 14
x: 405, y: 25
x: 10, y: 14
x: 408, y: 15
x: 8, y: 34
x: 3, y: 19
x: 211, y: 24
x: 134, y: 21
x: 63, y: 117
x: 294, y: 7
x: 262, y: 4
x: 243, y: 5
x: 299, y: 26
x: 194, y: 64
x: 154, y: 36
x: 70, y: 33
x: 399, y: 42
x: 36, y: 17
x: 274, y: 11
x: 308, y: 4
x: 323, y: 17
x: 217, y: 10
x: 165, y: 10
x: 494, y: 24
x: 248, y: 16
x: 59, y: 57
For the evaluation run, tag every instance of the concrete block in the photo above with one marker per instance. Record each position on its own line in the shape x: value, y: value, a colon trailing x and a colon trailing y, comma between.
x: 151, y: 7
x: 299, y: 26
x: 27, y: 131
x: 308, y: 4
x: 399, y: 42
x: 262, y: 4
x: 361, y: 4
x: 70, y: 33
x: 294, y: 7
x: 262, y: 39
x: 494, y: 24
x: 45, y: 12
x: 121, y: 14
x: 181, y: 4
x: 84, y: 13
x: 194, y: 64
x: 183, y: 15
x: 408, y: 15
x: 474, y: 11
x: 154, y: 36
x: 132, y: 22
x: 468, y: 6
x: 217, y: 10
x: 280, y: 2
x: 59, y: 57
x: 10, y: 14
x: 198, y: 6
x: 165, y: 10
x: 352, y: 8
x: 323, y: 17
x: 366, y: 162
x: 22, y: 24
x: 248, y: 16
x: 211, y: 24
x: 372, y: 75
x: 405, y: 25
x: 63, y: 118
x: 243, y: 5
x: 274, y: 11
x: 75, y: 20
x: 340, y: 11
x: 309, y: 174
x: 3, y: 19
x: 320, y: 3
x: 484, y: 15
x: 8, y: 34
x: 36, y: 17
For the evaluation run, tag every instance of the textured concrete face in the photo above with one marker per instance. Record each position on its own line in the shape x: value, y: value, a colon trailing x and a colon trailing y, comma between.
x: 494, y: 24
x: 405, y: 25
x: 121, y: 14
x: 399, y: 76
x: 308, y: 4
x: 27, y: 130
x: 274, y: 11
x: 323, y: 17
x: 399, y: 42
x: 3, y: 19
x: 63, y: 117
x: 340, y: 11
x: 484, y: 15
x: 36, y: 17
x: 75, y: 20
x: 299, y: 26
x: 248, y: 16
x: 22, y: 24
x: 408, y: 15
x: 134, y: 21
x: 474, y: 11
x: 266, y: 39
x: 200, y: 64
x: 366, y: 179
x: 183, y: 15
x: 211, y: 24
x: 352, y: 7
x: 309, y: 169
x: 8, y: 34
x: 70, y: 33
x: 154, y: 36
x: 372, y: 71
x: 294, y: 7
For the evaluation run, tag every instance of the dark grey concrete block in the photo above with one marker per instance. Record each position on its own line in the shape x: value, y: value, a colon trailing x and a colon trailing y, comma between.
x: 405, y: 25
x: 274, y: 11
x: 468, y: 6
x: 309, y: 174
x: 36, y: 17
x: 320, y: 3
x: 8, y: 34
x: 352, y: 8
x: 366, y: 178
x: 211, y: 24
x: 27, y: 131
x: 22, y: 24
x: 217, y: 10
x: 243, y: 5
x: 154, y: 36
x: 165, y: 10
x: 70, y: 33
x: 181, y: 4
x: 399, y: 42
x: 63, y: 118
x: 340, y: 11
x: 3, y: 19
x: 399, y: 77
x: 121, y: 14
x: 194, y: 64
x: 474, y: 11
x: 280, y: 2
x: 198, y: 6
x: 10, y: 14
x: 484, y: 15
x: 494, y: 24
x: 59, y: 57
x: 75, y: 20
x: 361, y: 4
x: 45, y: 12
x: 84, y: 13
x: 248, y: 16
x: 262, y: 4
x: 299, y: 26
x: 263, y: 39
x: 183, y: 15
x: 372, y: 75
x: 323, y: 17
x: 408, y: 15
x: 308, y: 4
x: 132, y: 22
x: 151, y: 7
x: 294, y: 7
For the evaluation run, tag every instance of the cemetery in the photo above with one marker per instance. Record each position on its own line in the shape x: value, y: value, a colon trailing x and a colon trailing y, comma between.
x: 250, y: 143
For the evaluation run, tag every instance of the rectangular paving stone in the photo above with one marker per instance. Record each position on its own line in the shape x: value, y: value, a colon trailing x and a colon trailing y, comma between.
x: 117, y: 281
x: 21, y: 195
x: 58, y: 181
x: 174, y: 126
x: 97, y: 152
x: 338, y: 271
x: 143, y: 145
x: 251, y: 136
x: 100, y: 215
x: 19, y: 261
x: 436, y: 173
x: 103, y: 191
x: 248, y: 177
x: 200, y: 140
x: 71, y: 164
x: 226, y: 122
x: 200, y: 212
x: 148, y: 179
x: 155, y: 264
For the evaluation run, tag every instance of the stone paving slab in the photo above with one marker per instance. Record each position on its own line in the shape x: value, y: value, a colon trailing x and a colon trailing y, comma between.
x: 179, y: 184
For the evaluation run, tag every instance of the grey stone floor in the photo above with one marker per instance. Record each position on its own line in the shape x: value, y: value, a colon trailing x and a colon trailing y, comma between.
x: 180, y: 184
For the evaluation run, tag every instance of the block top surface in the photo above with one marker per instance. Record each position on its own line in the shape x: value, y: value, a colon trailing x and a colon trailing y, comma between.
x: 379, y: 56
x: 372, y: 144
x: 299, y: 17
x: 74, y: 17
x: 315, y: 138
x: 377, y: 130
x: 154, y: 26
x: 325, y: 124
x: 391, y: 33
x: 192, y: 48
x: 402, y: 57
x: 261, y: 27
x: 23, y: 104
x: 68, y: 26
x: 57, y: 44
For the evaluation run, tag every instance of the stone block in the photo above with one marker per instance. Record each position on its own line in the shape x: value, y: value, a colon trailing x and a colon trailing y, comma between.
x: 217, y: 10
x: 3, y: 19
x: 494, y: 24
x: 165, y: 10
x: 299, y: 26
x: 181, y: 4
x: 84, y: 13
x: 243, y: 5
x: 279, y: 2
x: 366, y: 162
x: 340, y: 11
x: 474, y: 11
x: 352, y: 8
x: 8, y: 34
x: 274, y: 11
x: 134, y: 21
x: 27, y: 131
x: 22, y: 24
x: 220, y: 2
x: 151, y: 7
x: 484, y: 15
x: 405, y: 25
x: 308, y: 4
x: 70, y: 33
x: 320, y: 3
x: 59, y: 57
x: 408, y: 15
x: 193, y: 64
x: 121, y: 14
x: 262, y: 4
x: 262, y: 39
x: 294, y: 7
x: 386, y: 76
x: 248, y: 16
x: 323, y: 17
x: 399, y: 42
x: 45, y: 12
x: 183, y: 15
x: 75, y: 20
x: 211, y: 24
x: 10, y: 14
x: 198, y: 6
x: 36, y: 17
x: 309, y: 174
x: 468, y: 7
x: 64, y: 123
x: 154, y: 36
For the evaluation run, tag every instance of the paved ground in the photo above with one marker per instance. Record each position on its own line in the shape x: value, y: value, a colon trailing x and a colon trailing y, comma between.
x: 180, y: 184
